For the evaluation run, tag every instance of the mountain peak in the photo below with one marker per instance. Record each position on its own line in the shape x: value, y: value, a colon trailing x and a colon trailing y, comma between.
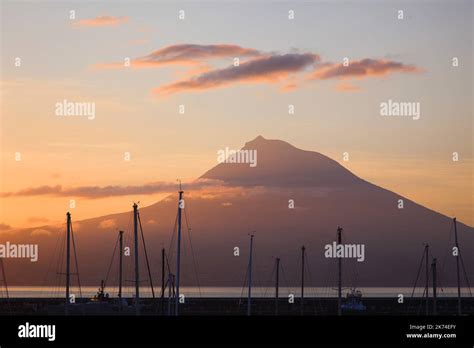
x: 278, y: 163
x: 260, y: 141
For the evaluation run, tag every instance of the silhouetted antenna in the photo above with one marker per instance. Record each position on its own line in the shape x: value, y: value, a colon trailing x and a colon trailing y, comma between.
x: 249, y: 303
x: 4, y: 277
x: 68, y: 259
x: 137, y: 274
x: 433, y: 269
x: 427, y: 270
x: 277, y: 284
x: 178, y: 252
x: 120, y: 267
x: 302, y: 278
x: 339, y: 282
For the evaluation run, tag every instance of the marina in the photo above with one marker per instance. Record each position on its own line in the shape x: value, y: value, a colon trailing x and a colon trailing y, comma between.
x: 426, y: 297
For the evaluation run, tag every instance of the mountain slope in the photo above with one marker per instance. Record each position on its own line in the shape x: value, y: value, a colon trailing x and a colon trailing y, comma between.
x: 325, y: 195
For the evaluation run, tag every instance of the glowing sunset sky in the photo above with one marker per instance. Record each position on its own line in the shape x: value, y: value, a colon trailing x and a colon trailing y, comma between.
x: 190, y: 62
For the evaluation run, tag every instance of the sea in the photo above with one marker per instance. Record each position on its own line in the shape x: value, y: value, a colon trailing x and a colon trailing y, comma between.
x: 228, y: 292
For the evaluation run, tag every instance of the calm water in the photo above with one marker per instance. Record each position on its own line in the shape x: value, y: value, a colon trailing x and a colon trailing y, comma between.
x: 89, y: 291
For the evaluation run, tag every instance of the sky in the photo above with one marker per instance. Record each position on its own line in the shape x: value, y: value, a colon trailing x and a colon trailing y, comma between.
x: 190, y: 62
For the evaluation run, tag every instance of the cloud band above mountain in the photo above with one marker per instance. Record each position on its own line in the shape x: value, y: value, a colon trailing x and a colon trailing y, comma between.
x: 261, y: 67
x: 267, y: 69
x: 185, y: 54
x: 363, y: 68
x: 95, y: 192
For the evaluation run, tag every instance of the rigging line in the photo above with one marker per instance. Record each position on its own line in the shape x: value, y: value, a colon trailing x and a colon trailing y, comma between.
x: 417, y: 277
x: 450, y: 236
x: 244, y: 285
x: 465, y: 274
x: 258, y: 277
x: 192, y: 252
x: 163, y: 288
x: 311, y: 282
x: 59, y: 266
x: 77, y: 266
x: 111, y: 262
x: 310, y: 278
x: 127, y: 271
x: 271, y: 279
x: 173, y: 236
x: 420, y: 303
x: 285, y: 279
x: 439, y: 275
x: 51, y: 261
x: 146, y: 255
x: 418, y: 274
x: 168, y: 263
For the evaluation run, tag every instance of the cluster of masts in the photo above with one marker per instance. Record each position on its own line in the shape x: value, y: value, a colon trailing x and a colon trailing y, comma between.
x: 173, y: 281
x: 434, y: 276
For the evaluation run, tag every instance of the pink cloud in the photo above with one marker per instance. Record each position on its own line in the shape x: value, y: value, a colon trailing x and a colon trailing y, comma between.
x: 101, y: 21
x: 268, y: 69
x: 185, y: 54
x: 360, y: 69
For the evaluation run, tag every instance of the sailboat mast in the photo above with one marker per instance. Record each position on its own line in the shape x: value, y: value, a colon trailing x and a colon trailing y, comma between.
x: 302, y: 279
x: 137, y: 275
x: 427, y: 288
x: 433, y: 269
x: 249, y: 302
x: 339, y: 278
x: 162, y: 280
x: 120, y: 266
x: 178, y: 254
x: 277, y: 284
x: 4, y: 277
x: 457, y: 265
x: 68, y: 260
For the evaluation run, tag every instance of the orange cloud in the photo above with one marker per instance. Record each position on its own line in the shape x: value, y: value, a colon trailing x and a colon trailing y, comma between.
x: 269, y: 69
x: 360, y: 69
x: 108, y: 224
x: 347, y: 87
x: 185, y: 54
x: 101, y: 21
x: 95, y: 192
x: 289, y: 87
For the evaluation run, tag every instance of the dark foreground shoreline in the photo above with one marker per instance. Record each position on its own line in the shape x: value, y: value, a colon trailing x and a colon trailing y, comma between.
x: 234, y: 306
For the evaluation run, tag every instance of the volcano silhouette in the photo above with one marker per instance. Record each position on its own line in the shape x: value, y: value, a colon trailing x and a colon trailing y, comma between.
x: 325, y: 195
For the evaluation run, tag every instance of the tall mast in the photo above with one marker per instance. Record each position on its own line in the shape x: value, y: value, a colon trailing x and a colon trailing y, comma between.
x: 457, y: 265
x: 433, y: 269
x: 4, y: 277
x: 339, y: 266
x: 427, y: 288
x: 249, y: 302
x: 120, y: 266
x: 302, y: 279
x: 277, y: 284
x: 137, y: 275
x: 178, y: 254
x: 68, y: 260
x: 162, y: 279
